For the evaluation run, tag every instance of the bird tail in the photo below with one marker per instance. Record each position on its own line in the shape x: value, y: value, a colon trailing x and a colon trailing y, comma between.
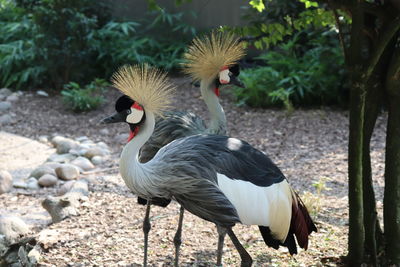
x: 301, y: 226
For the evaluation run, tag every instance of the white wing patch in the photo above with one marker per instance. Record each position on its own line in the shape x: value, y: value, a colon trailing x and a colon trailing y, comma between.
x: 233, y: 143
x: 135, y: 116
x: 267, y: 206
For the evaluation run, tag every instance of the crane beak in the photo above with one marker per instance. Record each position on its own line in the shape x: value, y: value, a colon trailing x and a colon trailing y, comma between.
x: 117, y: 117
x: 235, y: 81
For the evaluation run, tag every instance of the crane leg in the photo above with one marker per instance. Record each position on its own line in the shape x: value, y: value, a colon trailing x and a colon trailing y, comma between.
x: 221, y: 237
x: 177, y: 237
x: 244, y: 256
x: 146, y: 230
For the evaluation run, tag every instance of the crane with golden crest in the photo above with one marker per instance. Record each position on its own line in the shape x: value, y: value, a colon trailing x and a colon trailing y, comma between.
x: 218, y: 178
x: 211, y: 60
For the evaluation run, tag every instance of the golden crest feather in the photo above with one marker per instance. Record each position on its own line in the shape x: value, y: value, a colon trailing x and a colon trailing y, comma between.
x: 206, y: 56
x: 147, y: 86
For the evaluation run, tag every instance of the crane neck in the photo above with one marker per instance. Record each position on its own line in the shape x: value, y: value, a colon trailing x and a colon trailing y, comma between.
x: 132, y: 148
x: 217, y: 123
x: 140, y: 177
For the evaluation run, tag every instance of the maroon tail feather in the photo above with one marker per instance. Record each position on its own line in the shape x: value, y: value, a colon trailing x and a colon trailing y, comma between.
x: 301, y: 224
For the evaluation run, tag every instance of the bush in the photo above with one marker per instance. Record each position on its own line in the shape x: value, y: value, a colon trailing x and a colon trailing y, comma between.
x: 84, y: 99
x: 18, y: 58
x: 52, y: 42
x: 160, y: 44
x: 292, y: 75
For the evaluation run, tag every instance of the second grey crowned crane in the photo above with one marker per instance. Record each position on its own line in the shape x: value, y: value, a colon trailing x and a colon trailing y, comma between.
x: 213, y: 61
x: 220, y: 179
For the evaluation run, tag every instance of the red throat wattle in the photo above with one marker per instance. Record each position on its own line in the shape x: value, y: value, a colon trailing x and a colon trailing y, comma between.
x: 133, y: 133
x: 216, y: 91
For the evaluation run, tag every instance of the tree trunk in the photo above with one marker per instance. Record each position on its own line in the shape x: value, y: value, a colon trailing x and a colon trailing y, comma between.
x: 356, y: 209
x: 392, y: 183
x: 391, y: 201
x: 373, y: 231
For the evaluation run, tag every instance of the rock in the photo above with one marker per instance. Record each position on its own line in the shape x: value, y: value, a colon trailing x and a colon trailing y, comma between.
x: 32, y: 183
x: 5, y: 92
x: 4, y: 106
x: 3, y: 246
x: 47, y: 180
x: 95, y: 151
x: 52, y: 165
x: 34, y: 256
x: 56, y: 139
x: 6, y: 181
x: 83, y: 163
x: 5, y: 119
x: 62, y: 207
x: 65, y: 187
x: 42, y: 170
x: 64, y: 146
x: 82, y: 138
x: 67, y: 172
x: 12, y: 98
x: 12, y: 228
x: 104, y: 131
x: 20, y: 184
x: 47, y: 238
x: 18, y: 253
x: 97, y: 160
x: 121, y: 138
x: 63, y: 158
x: 43, y: 139
x: 42, y: 93
x: 103, y: 145
x: 80, y: 188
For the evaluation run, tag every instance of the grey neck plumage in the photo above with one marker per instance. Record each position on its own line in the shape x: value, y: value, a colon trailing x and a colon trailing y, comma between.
x: 217, y: 123
x: 137, y: 176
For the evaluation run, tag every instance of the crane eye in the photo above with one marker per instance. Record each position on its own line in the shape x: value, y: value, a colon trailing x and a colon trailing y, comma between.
x: 128, y: 111
x: 134, y: 116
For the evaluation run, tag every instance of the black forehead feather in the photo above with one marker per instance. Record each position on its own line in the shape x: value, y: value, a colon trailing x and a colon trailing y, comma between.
x: 124, y: 102
x: 235, y: 69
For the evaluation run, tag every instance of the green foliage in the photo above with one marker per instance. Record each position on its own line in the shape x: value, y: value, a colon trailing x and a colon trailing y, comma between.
x: 51, y: 42
x: 83, y: 99
x: 17, y: 51
x: 281, y: 19
x: 161, y: 43
x: 298, y: 74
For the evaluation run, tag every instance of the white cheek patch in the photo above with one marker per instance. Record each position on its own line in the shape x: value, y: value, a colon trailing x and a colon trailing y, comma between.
x: 224, y: 76
x: 135, y: 116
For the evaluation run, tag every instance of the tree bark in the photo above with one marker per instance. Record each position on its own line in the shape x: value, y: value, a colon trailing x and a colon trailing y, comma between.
x: 356, y: 207
x: 373, y: 231
x: 355, y: 60
x: 391, y: 201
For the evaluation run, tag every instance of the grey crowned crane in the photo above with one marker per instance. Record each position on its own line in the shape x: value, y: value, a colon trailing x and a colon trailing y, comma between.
x: 211, y: 60
x: 220, y: 179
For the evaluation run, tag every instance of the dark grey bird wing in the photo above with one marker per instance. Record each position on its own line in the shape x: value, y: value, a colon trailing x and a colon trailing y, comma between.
x: 232, y: 157
x: 191, y: 164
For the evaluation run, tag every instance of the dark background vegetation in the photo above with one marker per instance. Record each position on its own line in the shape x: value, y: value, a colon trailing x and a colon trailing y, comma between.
x: 51, y: 43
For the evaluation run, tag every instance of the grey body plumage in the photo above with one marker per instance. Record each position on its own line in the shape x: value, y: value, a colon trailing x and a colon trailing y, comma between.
x: 220, y: 179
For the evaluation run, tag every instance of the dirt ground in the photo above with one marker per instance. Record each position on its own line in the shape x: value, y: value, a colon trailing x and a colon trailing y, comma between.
x: 310, y: 146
